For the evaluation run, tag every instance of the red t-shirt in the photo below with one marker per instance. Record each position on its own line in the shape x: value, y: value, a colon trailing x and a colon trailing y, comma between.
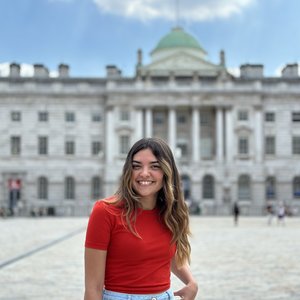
x: 133, y: 265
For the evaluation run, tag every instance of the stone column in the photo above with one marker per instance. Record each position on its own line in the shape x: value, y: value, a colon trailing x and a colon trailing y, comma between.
x: 149, y: 122
x: 138, y: 124
x: 230, y: 147
x: 172, y: 129
x: 196, y: 134
x: 258, y: 135
x: 110, y: 142
x: 219, y: 135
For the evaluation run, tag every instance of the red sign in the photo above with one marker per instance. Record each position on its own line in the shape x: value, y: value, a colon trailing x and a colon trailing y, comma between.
x: 14, y: 184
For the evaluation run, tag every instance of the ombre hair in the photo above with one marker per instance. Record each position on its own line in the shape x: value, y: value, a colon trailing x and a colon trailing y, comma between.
x: 170, y: 201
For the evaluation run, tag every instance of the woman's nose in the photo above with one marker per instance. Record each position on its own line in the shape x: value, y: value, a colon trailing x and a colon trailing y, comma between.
x: 145, y: 171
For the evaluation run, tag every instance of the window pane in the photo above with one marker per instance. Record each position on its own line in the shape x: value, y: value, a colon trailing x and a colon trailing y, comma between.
x: 270, y: 145
x: 244, y: 192
x: 296, y: 144
x: 243, y: 145
x: 124, y: 144
x: 242, y: 115
x: 96, y: 147
x: 70, y: 147
x: 208, y: 187
x: 296, y: 116
x: 43, y: 188
x: 15, y: 145
x: 269, y: 117
x: 270, y: 188
x: 70, y: 117
x: 296, y: 187
x: 69, y: 188
x: 43, y: 116
x: 43, y: 145
x: 16, y: 116
x: 96, y: 188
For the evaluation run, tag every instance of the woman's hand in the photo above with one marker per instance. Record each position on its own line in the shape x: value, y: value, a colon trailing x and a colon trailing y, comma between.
x: 188, y: 292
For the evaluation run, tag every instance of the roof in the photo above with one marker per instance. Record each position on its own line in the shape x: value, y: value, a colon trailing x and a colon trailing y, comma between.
x: 178, y: 38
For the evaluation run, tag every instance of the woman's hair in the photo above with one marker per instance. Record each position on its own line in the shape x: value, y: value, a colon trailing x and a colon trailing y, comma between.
x: 170, y: 200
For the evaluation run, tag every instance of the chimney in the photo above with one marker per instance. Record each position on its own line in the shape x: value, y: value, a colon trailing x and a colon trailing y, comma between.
x: 63, y: 71
x: 113, y: 72
x: 252, y: 71
x: 14, y: 70
x: 290, y: 71
x: 40, y: 71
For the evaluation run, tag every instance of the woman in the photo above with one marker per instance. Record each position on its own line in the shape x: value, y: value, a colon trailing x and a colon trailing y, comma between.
x: 136, y: 237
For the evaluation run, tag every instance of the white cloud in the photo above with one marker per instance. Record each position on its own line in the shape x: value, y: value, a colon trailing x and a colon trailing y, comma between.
x: 189, y: 10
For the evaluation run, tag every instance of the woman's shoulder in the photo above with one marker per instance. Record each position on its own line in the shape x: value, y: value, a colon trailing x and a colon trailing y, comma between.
x: 108, y: 204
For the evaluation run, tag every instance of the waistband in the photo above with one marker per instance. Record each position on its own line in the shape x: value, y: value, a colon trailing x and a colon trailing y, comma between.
x: 110, y: 295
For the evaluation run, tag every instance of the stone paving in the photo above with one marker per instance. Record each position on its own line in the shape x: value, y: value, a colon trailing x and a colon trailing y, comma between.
x: 252, y: 261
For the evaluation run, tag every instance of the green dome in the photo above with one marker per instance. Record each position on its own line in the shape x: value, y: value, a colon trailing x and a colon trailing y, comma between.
x: 177, y: 38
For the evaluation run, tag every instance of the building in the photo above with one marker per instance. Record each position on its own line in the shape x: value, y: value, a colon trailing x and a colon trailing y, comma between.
x: 63, y: 140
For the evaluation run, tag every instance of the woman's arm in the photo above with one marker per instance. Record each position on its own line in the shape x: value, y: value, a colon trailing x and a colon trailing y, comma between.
x: 189, y: 291
x: 95, y: 261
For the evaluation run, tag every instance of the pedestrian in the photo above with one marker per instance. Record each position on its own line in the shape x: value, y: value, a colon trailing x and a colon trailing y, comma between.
x: 138, y: 236
x: 236, y: 213
x: 281, y: 214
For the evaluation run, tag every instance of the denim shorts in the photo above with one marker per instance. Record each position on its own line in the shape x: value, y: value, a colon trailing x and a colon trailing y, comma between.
x: 109, y: 295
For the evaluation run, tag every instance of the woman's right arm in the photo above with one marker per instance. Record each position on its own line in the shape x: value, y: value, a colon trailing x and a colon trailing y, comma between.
x: 95, y: 261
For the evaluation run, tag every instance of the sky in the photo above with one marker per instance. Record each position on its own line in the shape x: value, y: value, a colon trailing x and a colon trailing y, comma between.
x: 88, y: 35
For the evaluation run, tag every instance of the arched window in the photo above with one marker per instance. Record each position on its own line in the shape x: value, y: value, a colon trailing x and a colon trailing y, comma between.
x: 296, y: 187
x: 244, y: 188
x: 270, y: 187
x: 208, y: 191
x: 42, y: 188
x: 69, y: 188
x: 96, y: 187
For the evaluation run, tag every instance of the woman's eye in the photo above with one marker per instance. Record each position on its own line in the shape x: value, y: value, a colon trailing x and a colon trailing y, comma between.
x: 155, y: 167
x: 135, y: 167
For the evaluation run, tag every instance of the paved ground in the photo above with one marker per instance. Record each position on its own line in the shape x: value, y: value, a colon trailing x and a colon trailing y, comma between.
x: 42, y: 258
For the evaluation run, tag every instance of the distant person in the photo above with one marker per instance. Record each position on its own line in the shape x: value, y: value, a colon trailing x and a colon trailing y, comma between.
x: 136, y: 237
x: 270, y: 212
x: 236, y: 213
x: 281, y: 214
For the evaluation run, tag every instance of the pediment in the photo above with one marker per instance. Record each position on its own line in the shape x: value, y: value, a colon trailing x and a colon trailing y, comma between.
x: 182, y: 61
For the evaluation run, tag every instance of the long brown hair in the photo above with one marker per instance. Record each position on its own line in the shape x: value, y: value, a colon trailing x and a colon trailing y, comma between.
x: 170, y: 201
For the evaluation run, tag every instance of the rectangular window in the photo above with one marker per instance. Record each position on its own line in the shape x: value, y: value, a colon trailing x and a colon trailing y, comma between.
x: 243, y: 115
x: 296, y: 145
x: 124, y: 144
x: 43, y: 116
x: 270, y: 145
x: 96, y: 147
x: 124, y: 115
x: 70, y: 116
x: 296, y: 116
x: 270, y: 117
x: 15, y: 145
x: 159, y: 118
x: 243, y: 146
x: 96, y: 117
x: 16, y: 116
x: 70, y: 148
x: 43, y: 145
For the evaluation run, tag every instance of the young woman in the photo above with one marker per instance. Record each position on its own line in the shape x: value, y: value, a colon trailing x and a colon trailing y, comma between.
x: 138, y: 236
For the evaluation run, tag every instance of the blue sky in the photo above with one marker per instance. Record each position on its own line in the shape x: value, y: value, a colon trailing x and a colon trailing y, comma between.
x: 90, y: 34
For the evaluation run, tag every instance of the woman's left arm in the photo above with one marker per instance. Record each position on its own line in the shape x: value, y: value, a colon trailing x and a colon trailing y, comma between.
x: 189, y: 291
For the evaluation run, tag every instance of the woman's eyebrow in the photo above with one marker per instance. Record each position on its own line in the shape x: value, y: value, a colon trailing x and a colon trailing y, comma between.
x: 151, y: 162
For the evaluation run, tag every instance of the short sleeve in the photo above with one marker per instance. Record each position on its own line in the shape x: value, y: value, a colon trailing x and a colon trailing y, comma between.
x: 99, y: 227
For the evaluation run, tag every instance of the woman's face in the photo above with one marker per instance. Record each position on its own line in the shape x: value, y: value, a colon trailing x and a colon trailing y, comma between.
x: 147, y: 177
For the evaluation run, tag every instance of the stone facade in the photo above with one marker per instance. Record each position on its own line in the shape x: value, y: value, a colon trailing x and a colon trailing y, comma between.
x: 63, y: 140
